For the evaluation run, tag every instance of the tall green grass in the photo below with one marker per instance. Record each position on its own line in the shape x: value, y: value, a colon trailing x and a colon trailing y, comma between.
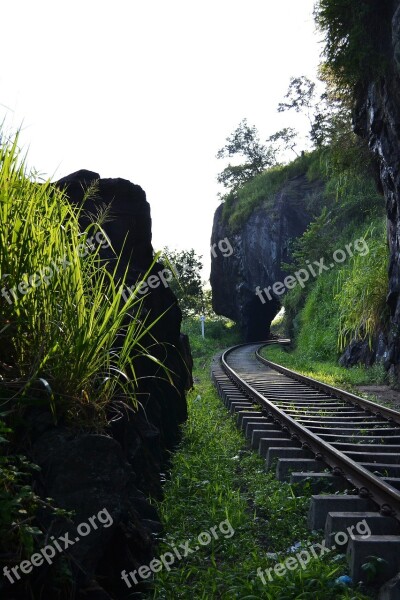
x: 64, y: 329
x: 362, y: 290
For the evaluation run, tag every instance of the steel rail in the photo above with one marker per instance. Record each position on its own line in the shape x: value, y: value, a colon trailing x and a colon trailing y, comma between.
x: 330, y: 390
x: 368, y: 484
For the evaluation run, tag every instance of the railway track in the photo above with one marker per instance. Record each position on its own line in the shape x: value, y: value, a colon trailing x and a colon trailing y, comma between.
x: 326, y: 438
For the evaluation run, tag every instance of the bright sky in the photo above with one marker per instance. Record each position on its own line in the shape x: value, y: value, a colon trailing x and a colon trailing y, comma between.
x: 149, y: 91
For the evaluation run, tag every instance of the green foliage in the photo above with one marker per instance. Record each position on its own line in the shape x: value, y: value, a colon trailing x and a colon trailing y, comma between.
x: 213, y: 478
x: 362, y: 291
x: 344, y: 303
x: 21, y: 513
x: 319, y: 320
x: 300, y: 95
x: 285, y: 139
x: 373, y: 567
x: 219, y: 333
x: 327, y: 371
x: 65, y: 334
x: 186, y: 284
x: 315, y: 243
x: 353, y: 190
x: 244, y: 142
x: 18, y: 503
x: 261, y: 190
x: 357, y: 35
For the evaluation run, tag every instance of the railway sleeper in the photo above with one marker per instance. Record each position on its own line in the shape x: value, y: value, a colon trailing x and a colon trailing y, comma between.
x: 236, y: 406
x: 382, y: 470
x: 337, y: 522
x: 360, y: 551
x: 266, y: 431
x: 334, y: 513
x: 248, y: 422
x: 322, y: 505
x: 285, y: 466
x: 248, y: 414
x: 275, y: 452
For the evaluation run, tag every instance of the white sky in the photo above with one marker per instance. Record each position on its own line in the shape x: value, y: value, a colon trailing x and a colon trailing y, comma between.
x: 148, y: 90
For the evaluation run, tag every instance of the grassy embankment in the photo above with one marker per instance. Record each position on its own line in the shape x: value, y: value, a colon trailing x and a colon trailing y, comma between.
x: 345, y: 300
x: 214, y: 478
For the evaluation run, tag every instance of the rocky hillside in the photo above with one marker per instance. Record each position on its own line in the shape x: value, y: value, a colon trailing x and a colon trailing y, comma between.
x: 377, y: 118
x: 260, y: 246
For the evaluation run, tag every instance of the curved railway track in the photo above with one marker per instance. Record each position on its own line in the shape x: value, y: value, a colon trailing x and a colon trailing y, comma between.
x: 308, y: 428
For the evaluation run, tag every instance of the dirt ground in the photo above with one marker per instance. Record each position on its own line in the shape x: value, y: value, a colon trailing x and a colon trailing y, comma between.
x: 383, y: 394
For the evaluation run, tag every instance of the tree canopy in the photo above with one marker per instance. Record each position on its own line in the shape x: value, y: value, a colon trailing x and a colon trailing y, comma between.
x: 244, y: 142
x: 186, y: 283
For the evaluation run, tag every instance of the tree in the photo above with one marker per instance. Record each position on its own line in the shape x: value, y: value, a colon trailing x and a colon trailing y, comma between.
x: 325, y: 114
x: 285, y: 139
x: 244, y: 142
x: 186, y: 283
x: 300, y: 96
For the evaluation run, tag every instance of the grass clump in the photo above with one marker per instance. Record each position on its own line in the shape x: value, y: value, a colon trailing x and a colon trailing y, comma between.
x: 362, y: 292
x: 66, y: 336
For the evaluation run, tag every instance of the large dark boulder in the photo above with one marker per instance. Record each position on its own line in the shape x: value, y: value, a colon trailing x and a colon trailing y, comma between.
x: 259, y: 247
x: 114, y: 471
x: 128, y: 226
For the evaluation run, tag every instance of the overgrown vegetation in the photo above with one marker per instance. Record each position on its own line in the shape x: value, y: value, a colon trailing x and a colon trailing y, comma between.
x: 345, y: 302
x: 68, y: 341
x: 357, y: 36
x: 327, y: 371
x: 215, y: 478
x: 66, y: 336
x: 361, y: 291
x: 261, y: 190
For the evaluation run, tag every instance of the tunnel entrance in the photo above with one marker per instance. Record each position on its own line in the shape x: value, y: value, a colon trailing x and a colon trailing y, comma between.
x: 257, y: 319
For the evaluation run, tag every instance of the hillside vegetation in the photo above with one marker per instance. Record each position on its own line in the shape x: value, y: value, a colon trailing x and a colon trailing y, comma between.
x: 344, y: 300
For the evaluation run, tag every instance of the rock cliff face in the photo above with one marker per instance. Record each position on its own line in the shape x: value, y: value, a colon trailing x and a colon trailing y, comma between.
x: 259, y: 248
x: 377, y: 118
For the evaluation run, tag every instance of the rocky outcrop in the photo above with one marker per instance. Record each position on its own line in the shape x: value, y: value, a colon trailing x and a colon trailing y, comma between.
x: 258, y: 249
x: 128, y: 226
x: 377, y: 119
x: 110, y: 475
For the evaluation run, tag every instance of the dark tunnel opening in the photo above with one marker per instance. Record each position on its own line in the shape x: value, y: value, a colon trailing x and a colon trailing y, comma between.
x: 258, y: 318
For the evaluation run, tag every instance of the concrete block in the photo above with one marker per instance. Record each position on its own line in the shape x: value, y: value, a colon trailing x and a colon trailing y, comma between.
x: 320, y: 506
x: 266, y: 431
x: 362, y: 550
x: 275, y: 453
x: 391, y: 589
x: 242, y: 414
x: 286, y: 465
x: 358, y: 523
x: 237, y: 406
x: 247, y: 420
x: 279, y: 442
